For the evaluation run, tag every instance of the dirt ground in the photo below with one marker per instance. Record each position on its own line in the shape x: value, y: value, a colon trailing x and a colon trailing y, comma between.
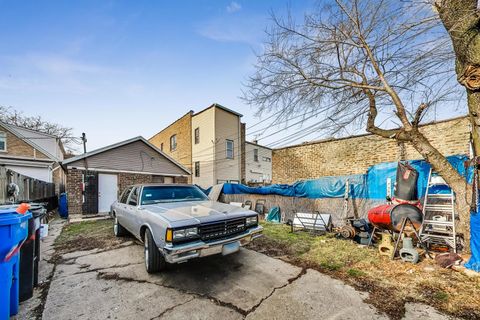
x: 390, y: 284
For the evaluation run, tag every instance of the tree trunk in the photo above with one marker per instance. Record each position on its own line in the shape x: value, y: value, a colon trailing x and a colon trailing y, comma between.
x: 458, y: 183
x: 461, y: 19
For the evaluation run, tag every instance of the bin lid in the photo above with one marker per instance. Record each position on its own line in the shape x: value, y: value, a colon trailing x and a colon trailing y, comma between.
x: 37, y: 209
x: 9, y: 216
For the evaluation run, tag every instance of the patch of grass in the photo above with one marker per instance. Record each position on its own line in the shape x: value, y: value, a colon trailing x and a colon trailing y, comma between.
x: 440, y: 295
x: 356, y: 273
x: 297, y: 242
x: 86, y: 235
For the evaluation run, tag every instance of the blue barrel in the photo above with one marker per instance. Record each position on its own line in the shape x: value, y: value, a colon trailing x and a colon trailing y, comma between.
x: 63, y: 205
x: 13, y: 231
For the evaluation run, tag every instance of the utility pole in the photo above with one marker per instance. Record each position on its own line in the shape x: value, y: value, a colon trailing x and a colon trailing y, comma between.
x: 84, y: 139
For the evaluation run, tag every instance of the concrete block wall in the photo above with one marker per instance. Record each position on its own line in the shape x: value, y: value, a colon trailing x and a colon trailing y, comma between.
x: 354, y: 155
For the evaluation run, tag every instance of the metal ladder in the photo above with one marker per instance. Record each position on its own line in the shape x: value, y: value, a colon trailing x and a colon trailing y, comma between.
x: 438, y: 226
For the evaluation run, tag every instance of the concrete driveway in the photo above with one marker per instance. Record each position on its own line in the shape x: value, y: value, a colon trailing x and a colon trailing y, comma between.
x: 113, y: 284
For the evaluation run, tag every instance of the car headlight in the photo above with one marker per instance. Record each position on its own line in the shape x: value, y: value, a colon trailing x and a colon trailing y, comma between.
x: 185, y: 233
x: 252, y: 221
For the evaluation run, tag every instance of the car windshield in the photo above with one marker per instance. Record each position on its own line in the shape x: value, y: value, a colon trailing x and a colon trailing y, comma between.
x: 159, y: 194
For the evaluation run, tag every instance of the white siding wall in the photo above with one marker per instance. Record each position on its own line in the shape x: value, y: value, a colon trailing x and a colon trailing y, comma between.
x: 258, y: 171
x: 204, y: 151
x: 227, y: 127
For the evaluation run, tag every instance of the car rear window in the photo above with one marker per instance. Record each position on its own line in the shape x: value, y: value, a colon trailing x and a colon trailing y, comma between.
x: 159, y: 194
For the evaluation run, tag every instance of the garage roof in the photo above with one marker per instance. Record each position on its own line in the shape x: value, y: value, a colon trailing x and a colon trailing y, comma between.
x: 132, y: 155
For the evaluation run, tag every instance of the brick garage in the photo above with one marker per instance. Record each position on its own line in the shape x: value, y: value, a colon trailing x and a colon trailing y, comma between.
x: 354, y: 155
x: 95, y: 179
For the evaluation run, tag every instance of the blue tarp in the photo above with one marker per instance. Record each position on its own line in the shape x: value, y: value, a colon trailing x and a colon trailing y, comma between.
x: 474, y: 262
x: 325, y: 187
x: 372, y: 185
x: 378, y: 174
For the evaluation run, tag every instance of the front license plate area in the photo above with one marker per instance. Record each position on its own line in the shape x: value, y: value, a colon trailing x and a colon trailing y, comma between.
x: 230, y: 248
x: 211, y: 251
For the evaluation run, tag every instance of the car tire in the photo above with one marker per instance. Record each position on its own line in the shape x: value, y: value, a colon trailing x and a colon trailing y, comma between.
x: 154, y: 260
x: 118, y: 229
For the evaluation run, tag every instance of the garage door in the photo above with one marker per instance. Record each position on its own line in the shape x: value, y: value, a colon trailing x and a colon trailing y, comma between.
x: 107, y: 191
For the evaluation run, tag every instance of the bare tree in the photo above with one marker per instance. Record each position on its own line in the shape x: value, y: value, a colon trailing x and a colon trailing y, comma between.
x: 363, y: 62
x: 37, y: 123
x: 461, y: 19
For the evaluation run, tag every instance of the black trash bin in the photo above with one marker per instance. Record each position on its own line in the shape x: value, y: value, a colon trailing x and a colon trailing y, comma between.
x: 38, y: 211
x: 27, y: 256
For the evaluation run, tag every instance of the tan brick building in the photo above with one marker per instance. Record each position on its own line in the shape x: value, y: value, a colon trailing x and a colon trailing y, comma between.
x: 182, y: 130
x: 208, y: 142
x: 354, y: 155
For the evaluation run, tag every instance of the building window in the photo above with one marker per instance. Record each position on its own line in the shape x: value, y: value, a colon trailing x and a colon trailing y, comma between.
x: 229, y: 149
x: 197, y: 135
x: 255, y: 155
x: 161, y: 146
x: 3, y: 141
x: 267, y: 159
x: 197, y: 168
x: 173, y: 142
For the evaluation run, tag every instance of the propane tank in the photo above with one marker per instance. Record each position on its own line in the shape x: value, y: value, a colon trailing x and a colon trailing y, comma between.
x: 390, y: 217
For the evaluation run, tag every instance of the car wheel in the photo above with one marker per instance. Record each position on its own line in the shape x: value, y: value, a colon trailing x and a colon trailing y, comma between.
x: 118, y: 229
x: 154, y: 260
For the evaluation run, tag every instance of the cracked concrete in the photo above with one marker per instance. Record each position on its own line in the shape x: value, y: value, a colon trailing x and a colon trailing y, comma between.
x: 113, y: 284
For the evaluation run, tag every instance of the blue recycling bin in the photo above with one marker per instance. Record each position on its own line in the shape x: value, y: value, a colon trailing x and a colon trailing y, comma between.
x: 13, y: 231
x: 63, y: 205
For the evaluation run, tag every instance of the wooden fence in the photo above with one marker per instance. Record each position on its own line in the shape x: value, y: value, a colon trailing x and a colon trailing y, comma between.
x: 30, y: 189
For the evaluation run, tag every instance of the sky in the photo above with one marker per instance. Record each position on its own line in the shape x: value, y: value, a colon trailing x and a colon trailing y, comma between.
x: 119, y: 69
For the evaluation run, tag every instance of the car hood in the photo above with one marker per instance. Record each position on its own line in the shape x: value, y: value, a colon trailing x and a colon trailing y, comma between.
x: 201, y: 211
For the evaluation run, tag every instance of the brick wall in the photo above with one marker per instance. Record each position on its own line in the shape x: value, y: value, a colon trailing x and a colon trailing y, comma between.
x: 183, y: 129
x: 74, y: 191
x: 355, y: 155
x: 128, y: 179
x: 181, y: 180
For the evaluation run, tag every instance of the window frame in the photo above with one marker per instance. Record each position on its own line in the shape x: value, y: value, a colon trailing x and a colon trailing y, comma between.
x: 173, y: 146
x: 3, y: 135
x: 255, y: 154
x: 197, y: 169
x: 227, y: 141
x: 126, y: 194
x: 196, y: 135
x: 130, y: 197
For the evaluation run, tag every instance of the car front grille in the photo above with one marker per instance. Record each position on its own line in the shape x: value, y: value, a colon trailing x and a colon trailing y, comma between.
x: 223, y: 229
